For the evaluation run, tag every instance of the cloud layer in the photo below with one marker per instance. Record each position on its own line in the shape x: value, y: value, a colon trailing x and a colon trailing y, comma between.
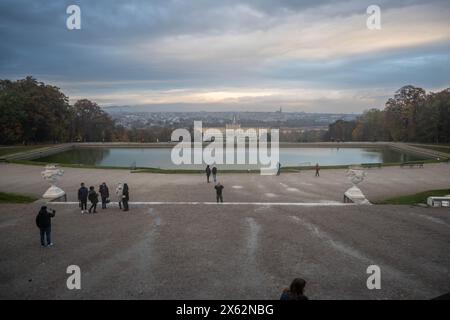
x: 232, y: 55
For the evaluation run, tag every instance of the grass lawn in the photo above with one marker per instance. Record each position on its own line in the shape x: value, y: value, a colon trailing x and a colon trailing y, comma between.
x: 15, y: 149
x: 415, y: 198
x: 15, y: 198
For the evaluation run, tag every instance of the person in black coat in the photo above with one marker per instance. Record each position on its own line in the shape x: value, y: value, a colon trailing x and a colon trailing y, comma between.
x: 219, y: 188
x: 104, y: 194
x: 44, y: 223
x: 208, y: 173
x: 214, y: 173
x: 83, y: 197
x: 93, y: 198
x: 125, y: 197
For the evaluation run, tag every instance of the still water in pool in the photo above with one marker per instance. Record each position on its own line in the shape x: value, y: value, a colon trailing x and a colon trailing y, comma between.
x: 161, y: 157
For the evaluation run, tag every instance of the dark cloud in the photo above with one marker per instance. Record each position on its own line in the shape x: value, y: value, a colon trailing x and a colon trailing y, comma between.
x: 121, y: 44
x: 425, y: 66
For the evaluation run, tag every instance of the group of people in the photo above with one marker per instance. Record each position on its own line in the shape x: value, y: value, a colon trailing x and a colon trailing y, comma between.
x: 85, y: 194
x: 210, y: 171
x: 219, y: 187
x: 43, y: 222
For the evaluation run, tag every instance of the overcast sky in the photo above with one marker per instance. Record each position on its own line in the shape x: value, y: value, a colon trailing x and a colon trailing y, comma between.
x: 314, y: 56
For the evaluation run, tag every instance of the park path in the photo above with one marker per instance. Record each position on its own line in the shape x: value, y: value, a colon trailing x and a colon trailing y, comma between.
x: 227, y: 252
x: 301, y: 186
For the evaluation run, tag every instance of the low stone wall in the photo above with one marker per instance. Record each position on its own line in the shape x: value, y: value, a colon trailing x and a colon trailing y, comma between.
x: 39, y: 153
x: 417, y: 150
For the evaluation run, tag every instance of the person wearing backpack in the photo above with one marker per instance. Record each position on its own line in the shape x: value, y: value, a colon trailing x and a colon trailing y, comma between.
x: 93, y: 198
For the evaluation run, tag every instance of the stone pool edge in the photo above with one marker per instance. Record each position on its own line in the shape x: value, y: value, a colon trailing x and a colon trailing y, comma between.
x: 26, y: 156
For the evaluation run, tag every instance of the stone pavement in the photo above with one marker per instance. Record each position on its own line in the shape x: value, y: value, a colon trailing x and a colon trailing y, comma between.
x: 241, y: 187
x: 229, y: 252
x: 239, y: 251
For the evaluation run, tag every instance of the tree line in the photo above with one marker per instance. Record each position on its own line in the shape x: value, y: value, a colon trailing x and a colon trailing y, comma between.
x: 33, y: 112
x: 412, y: 115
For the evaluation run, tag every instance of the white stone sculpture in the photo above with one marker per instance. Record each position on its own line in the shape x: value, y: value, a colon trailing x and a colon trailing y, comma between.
x: 356, y: 176
x: 51, y: 174
x: 354, y: 194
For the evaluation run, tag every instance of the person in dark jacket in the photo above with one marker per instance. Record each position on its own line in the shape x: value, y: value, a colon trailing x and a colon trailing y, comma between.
x: 125, y: 197
x: 44, y: 223
x: 208, y: 173
x: 214, y: 173
x: 104, y: 194
x: 295, y: 291
x: 317, y: 170
x: 219, y: 189
x: 93, y: 198
x: 83, y: 197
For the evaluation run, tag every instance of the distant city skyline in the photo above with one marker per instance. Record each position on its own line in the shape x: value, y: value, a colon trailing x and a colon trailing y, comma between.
x: 182, y: 108
x: 311, y: 56
x: 130, y: 118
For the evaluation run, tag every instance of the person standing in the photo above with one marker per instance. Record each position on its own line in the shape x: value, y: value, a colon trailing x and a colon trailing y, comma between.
x: 83, y: 197
x: 317, y: 170
x: 93, y: 198
x: 214, y: 174
x: 104, y: 194
x: 208, y: 173
x: 219, y: 196
x: 278, y: 168
x: 44, y: 223
x: 125, y: 197
x: 119, y: 194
